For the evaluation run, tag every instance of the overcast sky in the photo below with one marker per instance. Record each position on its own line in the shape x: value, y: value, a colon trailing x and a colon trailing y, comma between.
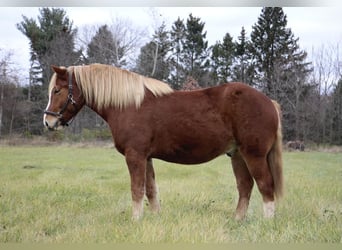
x: 314, y: 26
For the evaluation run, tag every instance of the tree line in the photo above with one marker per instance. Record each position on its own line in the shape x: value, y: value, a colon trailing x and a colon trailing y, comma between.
x: 269, y: 59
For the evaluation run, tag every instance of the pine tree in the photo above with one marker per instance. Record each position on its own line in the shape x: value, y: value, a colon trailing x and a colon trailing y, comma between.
x: 270, y: 39
x: 244, y: 68
x: 102, y: 48
x: 153, y: 60
x: 52, y: 41
x: 282, y: 69
x: 177, y: 36
x: 222, y: 56
x: 190, y: 52
x: 195, y: 49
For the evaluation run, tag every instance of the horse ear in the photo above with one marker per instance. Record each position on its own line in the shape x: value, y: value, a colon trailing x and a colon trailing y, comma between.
x: 61, y: 71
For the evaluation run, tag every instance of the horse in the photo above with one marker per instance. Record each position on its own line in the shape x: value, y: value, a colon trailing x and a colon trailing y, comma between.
x: 150, y: 120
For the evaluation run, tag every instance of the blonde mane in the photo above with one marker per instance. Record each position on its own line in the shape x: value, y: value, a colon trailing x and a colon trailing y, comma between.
x: 107, y: 86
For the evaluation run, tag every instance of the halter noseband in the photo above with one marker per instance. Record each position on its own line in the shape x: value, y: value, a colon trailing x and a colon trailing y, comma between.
x: 70, y: 99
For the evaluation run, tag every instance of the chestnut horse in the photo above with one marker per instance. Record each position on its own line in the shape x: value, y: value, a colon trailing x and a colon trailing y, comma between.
x: 149, y: 120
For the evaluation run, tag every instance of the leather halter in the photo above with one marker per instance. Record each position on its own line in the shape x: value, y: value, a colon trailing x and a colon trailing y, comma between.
x: 70, y: 99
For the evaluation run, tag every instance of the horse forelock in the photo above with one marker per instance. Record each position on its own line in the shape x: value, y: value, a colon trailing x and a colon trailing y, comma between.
x: 53, y: 80
x: 107, y: 86
x: 52, y: 83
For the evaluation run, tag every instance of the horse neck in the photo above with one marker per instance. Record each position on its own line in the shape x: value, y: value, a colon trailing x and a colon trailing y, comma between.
x: 113, y: 115
x: 105, y: 113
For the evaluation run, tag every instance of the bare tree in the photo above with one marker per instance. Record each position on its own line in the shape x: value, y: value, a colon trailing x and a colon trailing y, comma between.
x: 327, y: 73
x: 127, y: 38
x: 7, y: 77
x: 327, y: 62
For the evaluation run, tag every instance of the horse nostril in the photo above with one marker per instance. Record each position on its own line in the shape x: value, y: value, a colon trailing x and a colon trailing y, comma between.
x: 46, y: 124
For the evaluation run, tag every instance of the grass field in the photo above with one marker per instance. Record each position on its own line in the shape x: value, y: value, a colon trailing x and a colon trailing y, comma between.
x: 74, y: 194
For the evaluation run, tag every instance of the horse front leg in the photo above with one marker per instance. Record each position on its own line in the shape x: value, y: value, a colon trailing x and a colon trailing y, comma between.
x: 151, y: 188
x: 137, y: 169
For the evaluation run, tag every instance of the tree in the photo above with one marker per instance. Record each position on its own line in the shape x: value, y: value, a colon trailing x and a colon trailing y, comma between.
x: 189, y: 56
x: 326, y: 75
x: 102, y: 48
x: 128, y: 39
x: 336, y: 113
x: 282, y: 70
x: 177, y: 36
x: 153, y: 59
x: 115, y: 43
x: 222, y: 57
x: 11, y: 96
x: 244, y: 68
x: 270, y: 39
x: 52, y: 41
x: 195, y: 49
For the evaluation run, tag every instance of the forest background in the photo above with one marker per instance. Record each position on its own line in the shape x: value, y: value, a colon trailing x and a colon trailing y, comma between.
x: 269, y: 58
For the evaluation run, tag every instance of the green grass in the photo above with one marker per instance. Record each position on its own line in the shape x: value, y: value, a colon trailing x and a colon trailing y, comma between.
x: 71, y: 194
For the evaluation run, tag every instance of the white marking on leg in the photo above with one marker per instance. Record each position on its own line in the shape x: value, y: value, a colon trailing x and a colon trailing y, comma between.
x: 269, y: 209
x: 155, y: 206
x: 154, y: 201
x: 241, y: 209
x: 239, y: 216
x: 137, y: 209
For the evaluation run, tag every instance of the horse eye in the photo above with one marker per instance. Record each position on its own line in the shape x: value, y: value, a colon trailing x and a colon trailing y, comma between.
x: 56, y: 91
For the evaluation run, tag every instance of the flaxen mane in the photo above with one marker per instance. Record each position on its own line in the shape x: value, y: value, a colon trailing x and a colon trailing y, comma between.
x: 105, y: 86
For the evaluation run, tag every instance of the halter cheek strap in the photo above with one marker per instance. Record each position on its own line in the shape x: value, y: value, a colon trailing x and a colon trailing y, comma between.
x: 70, y: 99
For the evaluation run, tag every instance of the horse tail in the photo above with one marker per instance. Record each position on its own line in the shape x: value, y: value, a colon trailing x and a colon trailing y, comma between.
x: 274, y: 158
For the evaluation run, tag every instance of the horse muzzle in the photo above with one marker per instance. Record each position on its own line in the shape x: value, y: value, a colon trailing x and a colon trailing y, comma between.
x: 53, y: 123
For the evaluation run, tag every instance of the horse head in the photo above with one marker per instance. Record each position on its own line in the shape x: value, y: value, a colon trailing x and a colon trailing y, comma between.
x: 65, y: 99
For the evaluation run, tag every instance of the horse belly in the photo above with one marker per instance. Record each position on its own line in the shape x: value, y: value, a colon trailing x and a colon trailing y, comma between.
x: 186, y: 133
x: 194, y: 150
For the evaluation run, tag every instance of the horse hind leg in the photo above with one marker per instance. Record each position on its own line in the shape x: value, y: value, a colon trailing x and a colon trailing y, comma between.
x: 260, y: 171
x: 244, y: 183
x: 151, y: 188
